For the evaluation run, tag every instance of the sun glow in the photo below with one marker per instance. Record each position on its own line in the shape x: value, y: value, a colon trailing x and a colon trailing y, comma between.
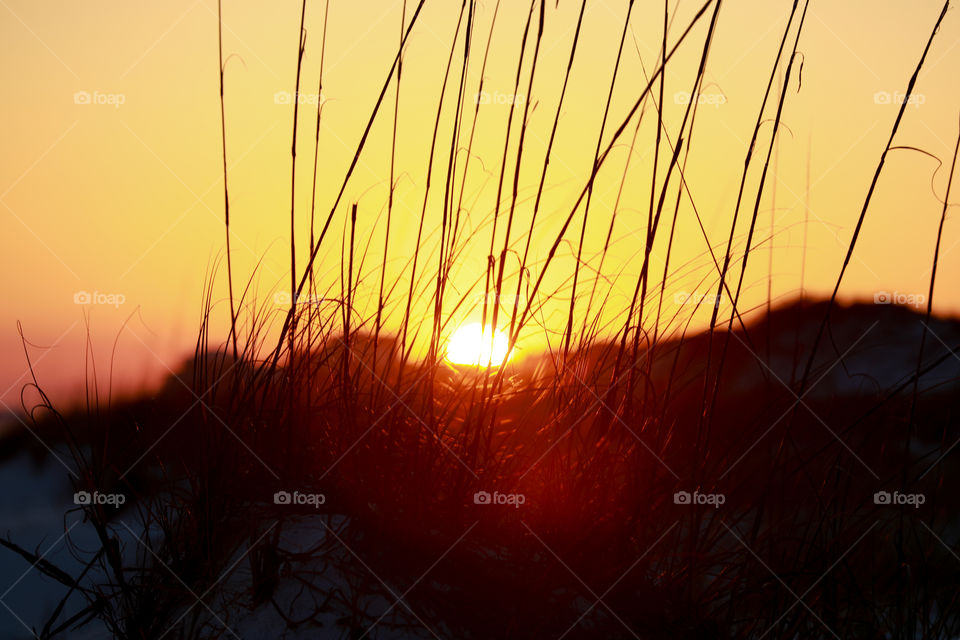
x: 471, y: 345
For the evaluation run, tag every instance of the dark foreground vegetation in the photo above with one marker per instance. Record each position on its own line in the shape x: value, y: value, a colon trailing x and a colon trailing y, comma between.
x: 788, y: 539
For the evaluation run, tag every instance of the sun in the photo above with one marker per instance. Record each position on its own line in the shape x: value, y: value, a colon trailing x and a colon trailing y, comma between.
x: 471, y: 345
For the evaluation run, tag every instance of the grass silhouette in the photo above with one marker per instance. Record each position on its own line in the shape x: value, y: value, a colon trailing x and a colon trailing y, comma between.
x: 638, y: 479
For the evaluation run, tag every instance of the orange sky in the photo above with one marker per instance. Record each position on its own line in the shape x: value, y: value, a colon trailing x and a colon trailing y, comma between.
x: 122, y: 197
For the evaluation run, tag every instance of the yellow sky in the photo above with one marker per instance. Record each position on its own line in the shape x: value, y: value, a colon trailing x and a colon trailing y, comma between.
x: 122, y: 196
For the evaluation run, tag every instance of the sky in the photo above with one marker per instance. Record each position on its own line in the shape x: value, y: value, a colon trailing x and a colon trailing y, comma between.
x: 111, y: 182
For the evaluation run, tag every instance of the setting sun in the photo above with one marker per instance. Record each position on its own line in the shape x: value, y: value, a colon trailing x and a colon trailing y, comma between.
x: 471, y: 344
